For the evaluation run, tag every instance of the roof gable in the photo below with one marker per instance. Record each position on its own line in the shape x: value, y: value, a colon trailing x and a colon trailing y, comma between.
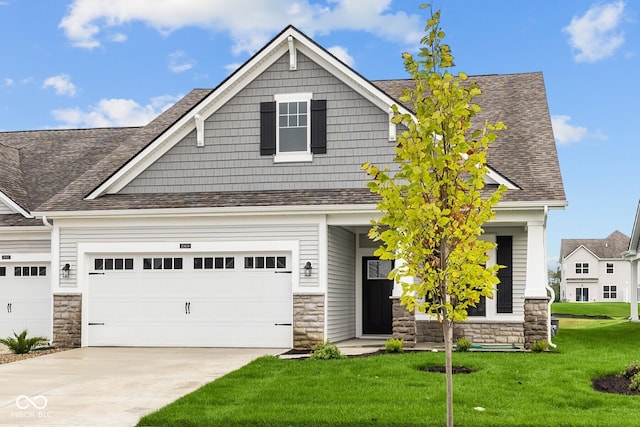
x: 288, y: 42
x: 611, y: 247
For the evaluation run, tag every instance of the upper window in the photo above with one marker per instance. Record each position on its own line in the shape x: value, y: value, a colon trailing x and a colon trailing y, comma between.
x: 293, y: 127
x: 582, y: 268
x: 610, y: 267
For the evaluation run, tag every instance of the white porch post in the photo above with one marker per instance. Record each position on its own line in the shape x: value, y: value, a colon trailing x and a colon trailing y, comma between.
x: 536, y: 278
x: 633, y: 290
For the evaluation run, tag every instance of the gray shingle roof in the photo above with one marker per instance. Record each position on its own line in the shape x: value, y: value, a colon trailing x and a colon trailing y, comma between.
x: 610, y: 247
x: 66, y: 165
x: 525, y: 152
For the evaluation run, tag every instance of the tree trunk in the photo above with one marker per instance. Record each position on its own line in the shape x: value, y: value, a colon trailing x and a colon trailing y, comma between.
x: 447, y: 328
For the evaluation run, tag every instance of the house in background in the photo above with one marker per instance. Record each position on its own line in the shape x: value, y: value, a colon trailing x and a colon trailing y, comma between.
x: 239, y: 216
x: 594, y: 270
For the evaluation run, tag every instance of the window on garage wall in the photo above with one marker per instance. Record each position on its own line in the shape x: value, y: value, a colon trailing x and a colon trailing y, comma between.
x: 265, y: 262
x: 211, y: 263
x: 164, y: 263
x: 113, y: 264
x: 29, y: 270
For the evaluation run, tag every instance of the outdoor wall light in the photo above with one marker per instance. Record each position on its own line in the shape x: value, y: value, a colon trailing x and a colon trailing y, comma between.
x: 65, y: 271
x: 307, y: 269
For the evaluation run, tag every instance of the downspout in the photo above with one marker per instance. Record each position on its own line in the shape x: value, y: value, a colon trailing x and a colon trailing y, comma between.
x: 549, y: 288
x: 46, y: 222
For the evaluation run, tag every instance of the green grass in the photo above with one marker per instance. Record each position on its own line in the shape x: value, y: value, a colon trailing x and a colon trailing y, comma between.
x: 515, y: 389
x: 610, y: 309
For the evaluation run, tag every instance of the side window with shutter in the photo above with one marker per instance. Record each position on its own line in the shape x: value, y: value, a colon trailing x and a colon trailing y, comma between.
x: 293, y: 127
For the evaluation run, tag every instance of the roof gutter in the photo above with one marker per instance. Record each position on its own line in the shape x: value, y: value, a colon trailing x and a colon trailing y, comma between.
x: 46, y: 222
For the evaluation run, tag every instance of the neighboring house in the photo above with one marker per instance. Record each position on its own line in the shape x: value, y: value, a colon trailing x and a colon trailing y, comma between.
x: 594, y: 270
x: 239, y: 216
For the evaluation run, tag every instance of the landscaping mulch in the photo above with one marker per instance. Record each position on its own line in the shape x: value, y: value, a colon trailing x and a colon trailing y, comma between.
x: 618, y: 384
x: 10, y: 357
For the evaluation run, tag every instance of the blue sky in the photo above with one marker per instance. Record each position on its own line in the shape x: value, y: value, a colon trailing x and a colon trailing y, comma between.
x: 94, y: 63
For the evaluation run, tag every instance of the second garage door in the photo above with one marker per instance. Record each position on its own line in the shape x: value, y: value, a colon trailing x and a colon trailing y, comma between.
x: 201, y: 300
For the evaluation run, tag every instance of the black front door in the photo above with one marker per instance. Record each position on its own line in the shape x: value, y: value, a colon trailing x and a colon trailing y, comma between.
x: 377, y: 316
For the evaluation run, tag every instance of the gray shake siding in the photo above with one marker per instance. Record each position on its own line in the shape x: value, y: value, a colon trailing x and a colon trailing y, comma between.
x: 341, y: 288
x: 357, y: 131
x: 306, y: 234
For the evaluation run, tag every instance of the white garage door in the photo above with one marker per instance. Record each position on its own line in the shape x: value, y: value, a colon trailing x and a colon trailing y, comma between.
x: 208, y: 300
x: 25, y: 299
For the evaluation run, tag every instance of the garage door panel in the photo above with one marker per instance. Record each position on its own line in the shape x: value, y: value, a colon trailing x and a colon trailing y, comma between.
x: 25, y: 301
x: 188, y: 307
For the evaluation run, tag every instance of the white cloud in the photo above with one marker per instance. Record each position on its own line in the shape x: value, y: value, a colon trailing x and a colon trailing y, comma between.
x: 114, y: 112
x: 342, y: 54
x: 118, y: 38
x: 61, y: 84
x: 250, y: 23
x: 8, y: 82
x: 180, y: 62
x: 596, y: 34
x: 566, y: 133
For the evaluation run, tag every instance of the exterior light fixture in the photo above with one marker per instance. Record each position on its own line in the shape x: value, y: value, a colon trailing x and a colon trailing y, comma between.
x: 307, y: 269
x: 65, y: 270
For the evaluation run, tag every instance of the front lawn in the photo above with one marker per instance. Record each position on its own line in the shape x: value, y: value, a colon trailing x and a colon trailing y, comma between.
x: 607, y: 309
x: 506, y: 389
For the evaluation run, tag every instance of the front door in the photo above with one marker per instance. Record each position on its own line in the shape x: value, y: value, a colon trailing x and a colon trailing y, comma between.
x: 376, y: 293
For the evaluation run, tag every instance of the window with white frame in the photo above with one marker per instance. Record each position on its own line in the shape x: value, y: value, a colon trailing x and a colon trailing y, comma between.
x: 293, y: 135
x: 582, y: 268
x: 293, y: 127
x: 609, y: 268
x: 609, y: 291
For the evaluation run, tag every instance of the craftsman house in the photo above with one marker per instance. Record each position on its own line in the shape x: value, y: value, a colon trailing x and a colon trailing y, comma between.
x: 239, y: 216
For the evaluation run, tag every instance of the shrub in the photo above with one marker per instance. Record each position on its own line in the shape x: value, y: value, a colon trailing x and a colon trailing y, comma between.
x: 463, y: 344
x: 393, y: 345
x: 326, y: 351
x: 632, y: 370
x: 540, y: 346
x: 635, y: 382
x: 20, y: 344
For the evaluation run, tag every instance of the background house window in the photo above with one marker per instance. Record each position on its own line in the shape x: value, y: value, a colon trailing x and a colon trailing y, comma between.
x: 610, y: 291
x: 610, y: 268
x: 582, y: 268
x: 582, y: 294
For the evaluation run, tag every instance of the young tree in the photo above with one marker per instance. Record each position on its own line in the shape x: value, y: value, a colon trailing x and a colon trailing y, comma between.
x: 434, y: 206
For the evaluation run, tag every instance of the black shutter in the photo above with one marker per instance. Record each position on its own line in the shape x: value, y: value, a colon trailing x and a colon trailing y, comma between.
x: 318, y: 126
x: 267, y: 128
x: 505, y: 287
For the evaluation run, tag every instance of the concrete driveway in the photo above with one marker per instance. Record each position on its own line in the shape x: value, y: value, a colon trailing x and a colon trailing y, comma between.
x: 109, y: 386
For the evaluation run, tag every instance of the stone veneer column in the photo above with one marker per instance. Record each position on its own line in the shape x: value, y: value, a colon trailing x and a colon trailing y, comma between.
x: 308, y: 320
x: 536, y: 313
x: 404, y: 324
x: 67, y: 320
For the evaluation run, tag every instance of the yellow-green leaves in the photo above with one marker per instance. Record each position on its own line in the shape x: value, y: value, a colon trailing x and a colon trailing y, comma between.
x: 432, y: 210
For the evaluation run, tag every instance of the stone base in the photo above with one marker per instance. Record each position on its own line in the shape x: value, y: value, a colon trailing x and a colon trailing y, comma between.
x: 308, y: 321
x: 67, y: 320
x: 481, y: 333
x: 404, y: 324
x: 536, y: 312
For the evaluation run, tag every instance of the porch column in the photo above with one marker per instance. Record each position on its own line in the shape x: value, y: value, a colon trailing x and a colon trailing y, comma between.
x: 633, y: 290
x: 536, y: 278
